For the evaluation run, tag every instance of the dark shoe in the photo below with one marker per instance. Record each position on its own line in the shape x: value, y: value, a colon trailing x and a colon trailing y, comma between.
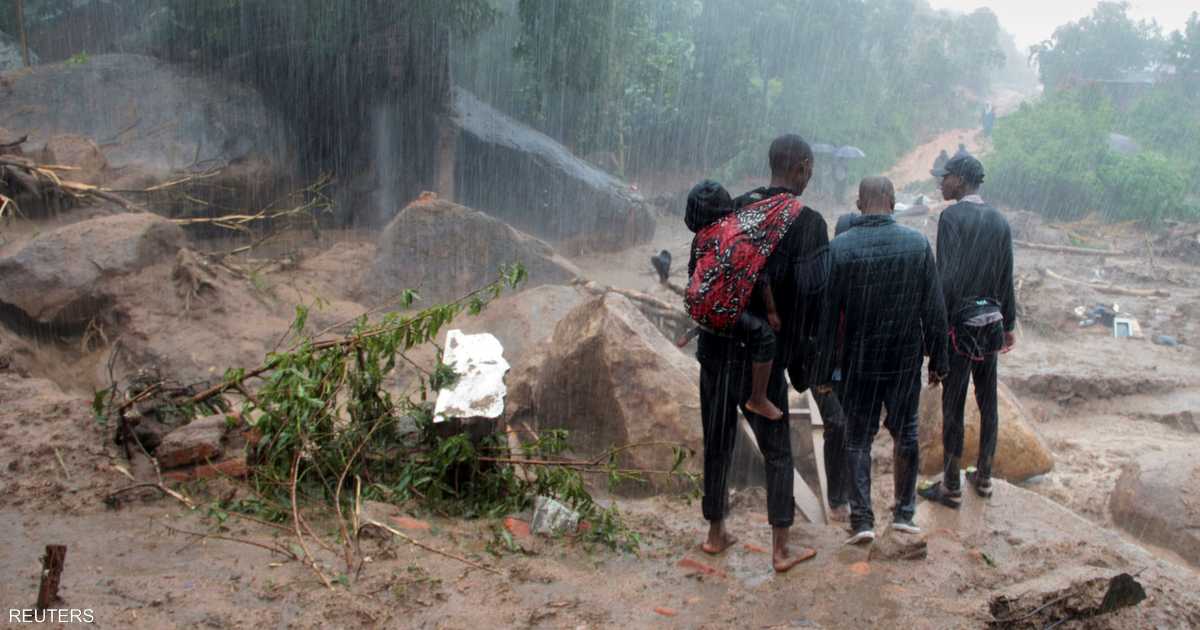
x: 939, y: 493
x: 982, y: 485
x: 862, y: 535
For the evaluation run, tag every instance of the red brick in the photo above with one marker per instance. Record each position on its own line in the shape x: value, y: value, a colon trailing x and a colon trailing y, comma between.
x: 413, y: 524
x: 517, y: 527
x: 666, y: 612
x: 695, y: 566
x: 235, y: 467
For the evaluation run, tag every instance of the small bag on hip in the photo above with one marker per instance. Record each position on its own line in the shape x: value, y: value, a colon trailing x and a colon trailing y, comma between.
x: 977, y: 328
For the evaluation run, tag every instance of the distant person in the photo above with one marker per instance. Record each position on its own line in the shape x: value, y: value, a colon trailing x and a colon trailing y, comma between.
x: 885, y: 297
x: 962, y: 150
x: 707, y: 203
x: 841, y: 177
x: 989, y: 120
x: 975, y: 263
x: 939, y: 162
x: 725, y: 365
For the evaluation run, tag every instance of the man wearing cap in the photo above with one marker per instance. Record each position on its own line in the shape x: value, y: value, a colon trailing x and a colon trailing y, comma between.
x: 975, y: 263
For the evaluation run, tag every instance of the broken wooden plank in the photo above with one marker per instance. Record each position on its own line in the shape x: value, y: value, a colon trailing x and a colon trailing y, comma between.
x: 809, y: 504
x: 1107, y: 288
x: 1066, y: 249
x: 818, y: 440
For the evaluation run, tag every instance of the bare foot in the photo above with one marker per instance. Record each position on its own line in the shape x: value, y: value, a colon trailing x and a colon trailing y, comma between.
x: 764, y: 408
x: 784, y: 560
x: 717, y: 543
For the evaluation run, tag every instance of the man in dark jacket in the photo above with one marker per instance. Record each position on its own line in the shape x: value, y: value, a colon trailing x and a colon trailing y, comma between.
x: 975, y: 262
x: 725, y: 367
x: 884, y: 287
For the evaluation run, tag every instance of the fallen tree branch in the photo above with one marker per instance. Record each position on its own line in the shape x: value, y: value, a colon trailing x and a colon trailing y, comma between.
x: 1066, y: 249
x: 75, y: 189
x: 312, y: 563
x: 413, y: 541
x: 1110, y: 289
x: 243, y: 541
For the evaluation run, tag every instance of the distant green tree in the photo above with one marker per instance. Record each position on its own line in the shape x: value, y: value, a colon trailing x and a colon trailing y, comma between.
x: 1104, y: 45
x: 1184, y: 54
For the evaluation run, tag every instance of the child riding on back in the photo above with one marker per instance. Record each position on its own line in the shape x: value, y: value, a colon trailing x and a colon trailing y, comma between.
x: 707, y: 203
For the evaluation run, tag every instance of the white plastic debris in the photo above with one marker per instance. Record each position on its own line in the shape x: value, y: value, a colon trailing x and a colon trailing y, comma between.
x: 479, y: 391
x: 551, y: 517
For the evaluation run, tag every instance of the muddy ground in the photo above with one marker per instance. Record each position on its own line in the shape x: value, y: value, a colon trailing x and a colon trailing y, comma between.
x: 1099, y: 403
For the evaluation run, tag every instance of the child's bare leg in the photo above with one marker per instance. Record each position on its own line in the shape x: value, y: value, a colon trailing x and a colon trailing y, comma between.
x: 759, y: 403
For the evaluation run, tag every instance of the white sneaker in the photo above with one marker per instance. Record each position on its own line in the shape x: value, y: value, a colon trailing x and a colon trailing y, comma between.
x: 908, y: 527
x: 864, y: 536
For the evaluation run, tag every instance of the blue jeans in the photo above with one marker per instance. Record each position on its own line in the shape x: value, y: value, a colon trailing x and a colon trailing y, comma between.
x: 862, y: 402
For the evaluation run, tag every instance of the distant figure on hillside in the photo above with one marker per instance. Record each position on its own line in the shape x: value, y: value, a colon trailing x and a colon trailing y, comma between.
x: 939, y: 162
x: 962, y: 150
x: 841, y: 175
x: 989, y: 119
x: 975, y: 262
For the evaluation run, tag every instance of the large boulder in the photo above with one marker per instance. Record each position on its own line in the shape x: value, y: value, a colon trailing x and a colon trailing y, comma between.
x: 444, y: 251
x: 1157, y: 499
x: 1020, y: 451
x: 528, y: 179
x: 524, y: 321
x: 10, y: 53
x: 56, y: 277
x: 610, y: 378
x: 150, y: 117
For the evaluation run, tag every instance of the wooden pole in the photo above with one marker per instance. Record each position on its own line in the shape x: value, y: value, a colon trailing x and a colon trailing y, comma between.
x: 52, y: 568
x: 21, y: 29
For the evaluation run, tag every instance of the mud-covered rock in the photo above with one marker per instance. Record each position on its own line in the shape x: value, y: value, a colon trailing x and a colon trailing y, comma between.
x: 56, y: 277
x: 610, y: 378
x: 1157, y: 499
x: 514, y: 172
x: 79, y: 153
x: 1020, y: 451
x: 151, y: 117
x: 523, y: 321
x: 445, y: 251
x: 195, y: 442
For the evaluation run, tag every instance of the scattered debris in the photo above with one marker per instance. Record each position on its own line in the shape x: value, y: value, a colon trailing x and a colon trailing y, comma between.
x: 196, y: 442
x: 1065, y: 249
x: 478, y: 391
x: 1126, y: 327
x: 1165, y: 340
x: 551, y: 517
x: 517, y: 527
x: 52, y: 568
x: 1079, y: 600
x: 1104, y: 287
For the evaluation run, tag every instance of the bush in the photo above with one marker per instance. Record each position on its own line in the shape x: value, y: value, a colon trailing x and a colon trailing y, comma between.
x: 1145, y: 186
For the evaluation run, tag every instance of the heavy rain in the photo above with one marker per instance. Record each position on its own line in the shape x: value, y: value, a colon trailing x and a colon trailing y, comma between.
x: 600, y: 313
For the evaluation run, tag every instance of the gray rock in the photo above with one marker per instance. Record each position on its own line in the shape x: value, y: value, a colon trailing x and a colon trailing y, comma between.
x: 528, y: 179
x: 149, y: 116
x: 444, y: 251
x: 55, y: 277
x: 10, y: 53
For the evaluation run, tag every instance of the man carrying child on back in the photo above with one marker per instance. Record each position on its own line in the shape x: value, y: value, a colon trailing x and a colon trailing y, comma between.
x: 770, y: 232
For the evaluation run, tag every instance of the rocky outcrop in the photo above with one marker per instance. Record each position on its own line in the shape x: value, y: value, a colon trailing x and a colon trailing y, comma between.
x: 444, y: 251
x: 57, y: 277
x: 528, y: 179
x: 10, y: 53
x: 610, y: 378
x: 79, y: 153
x: 1020, y: 451
x: 526, y: 320
x: 150, y: 117
x: 1157, y: 499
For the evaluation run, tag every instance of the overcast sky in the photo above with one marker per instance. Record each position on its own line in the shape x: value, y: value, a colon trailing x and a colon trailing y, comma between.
x: 1032, y: 21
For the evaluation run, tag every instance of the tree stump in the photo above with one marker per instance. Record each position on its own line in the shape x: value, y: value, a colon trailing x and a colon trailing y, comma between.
x: 52, y: 567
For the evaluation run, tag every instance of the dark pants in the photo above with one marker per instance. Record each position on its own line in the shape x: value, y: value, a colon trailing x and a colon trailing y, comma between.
x: 724, y: 385
x: 954, y: 399
x: 758, y: 335
x: 863, y: 400
x: 837, y: 473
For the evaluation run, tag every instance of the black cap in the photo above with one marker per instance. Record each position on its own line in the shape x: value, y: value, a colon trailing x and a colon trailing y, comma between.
x: 965, y: 166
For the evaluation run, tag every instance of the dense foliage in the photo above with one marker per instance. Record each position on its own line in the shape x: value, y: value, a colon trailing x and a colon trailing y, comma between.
x: 663, y: 84
x: 1057, y: 156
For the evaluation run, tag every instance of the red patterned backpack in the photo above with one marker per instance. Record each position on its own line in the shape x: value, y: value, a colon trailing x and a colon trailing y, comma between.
x: 731, y: 253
